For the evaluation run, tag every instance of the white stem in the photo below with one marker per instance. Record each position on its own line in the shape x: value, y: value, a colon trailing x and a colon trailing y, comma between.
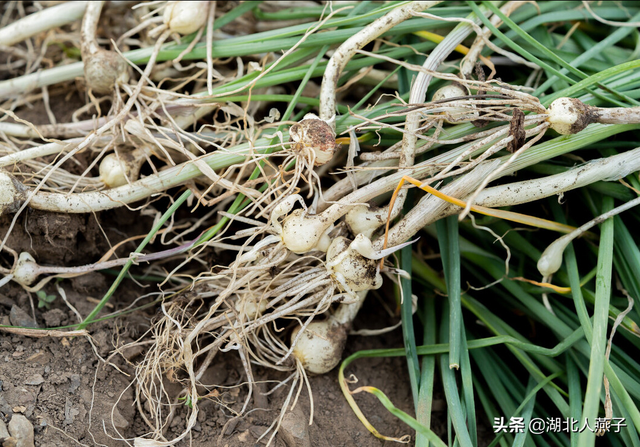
x: 356, y: 42
x: 497, y: 173
x: 40, y: 21
x: 346, y: 313
x: 139, y: 190
x: 210, y: 19
x: 43, y: 151
x: 6, y: 279
x: 88, y: 44
x: 421, y: 84
x: 431, y: 208
x: 605, y: 169
x: 419, y: 91
x: 617, y: 115
x: 551, y: 258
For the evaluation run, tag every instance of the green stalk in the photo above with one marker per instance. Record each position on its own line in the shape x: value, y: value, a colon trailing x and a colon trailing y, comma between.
x: 450, y: 254
x: 425, y: 395
x: 454, y: 405
x: 408, y: 333
x: 600, y: 322
x: 123, y: 272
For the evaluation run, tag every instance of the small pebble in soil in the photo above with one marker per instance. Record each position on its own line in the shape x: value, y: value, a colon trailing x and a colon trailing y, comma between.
x: 54, y: 317
x: 69, y: 412
x: 4, y: 433
x: 75, y: 383
x: 21, y: 430
x: 19, y: 317
x: 34, y: 379
x: 6, y: 301
x: 294, y: 429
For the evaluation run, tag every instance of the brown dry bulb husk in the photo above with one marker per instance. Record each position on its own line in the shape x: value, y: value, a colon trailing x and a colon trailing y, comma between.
x: 313, y: 137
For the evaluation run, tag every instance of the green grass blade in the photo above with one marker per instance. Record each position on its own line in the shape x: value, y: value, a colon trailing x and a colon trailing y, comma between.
x: 454, y: 405
x: 404, y: 417
x: 601, y: 318
x: 514, y: 46
x: 590, y: 81
x: 527, y: 411
x: 575, y: 396
x: 427, y: 377
x: 450, y: 252
x: 125, y: 268
x: 408, y: 333
x: 594, y: 50
x: 467, y: 389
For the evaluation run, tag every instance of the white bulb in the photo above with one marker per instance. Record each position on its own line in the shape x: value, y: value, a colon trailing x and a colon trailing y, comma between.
x: 302, y: 233
x: 315, y: 135
x: 358, y: 272
x: 103, y: 70
x: 185, y: 17
x: 448, y: 92
x: 320, y: 347
x: 455, y: 113
x: 115, y: 170
x: 364, y: 220
x: 568, y: 115
x: 10, y: 190
x: 26, y: 269
x: 112, y: 171
x: 551, y: 259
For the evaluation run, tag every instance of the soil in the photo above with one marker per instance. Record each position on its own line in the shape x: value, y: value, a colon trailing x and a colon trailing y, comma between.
x: 73, y: 397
